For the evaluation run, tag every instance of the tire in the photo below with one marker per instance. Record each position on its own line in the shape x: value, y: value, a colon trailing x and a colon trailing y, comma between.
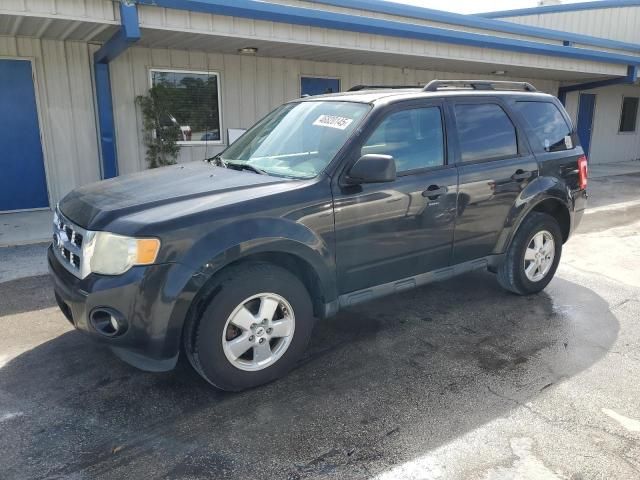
x: 242, y: 289
x: 511, y: 273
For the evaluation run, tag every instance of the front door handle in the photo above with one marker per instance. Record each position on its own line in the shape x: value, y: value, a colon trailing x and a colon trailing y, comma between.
x: 521, y: 175
x: 434, y: 191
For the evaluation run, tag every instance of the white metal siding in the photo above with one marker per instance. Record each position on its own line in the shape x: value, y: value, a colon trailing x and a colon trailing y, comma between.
x: 250, y: 86
x: 66, y: 109
x: 413, y: 20
x: 607, y: 144
x: 611, y: 23
x: 95, y: 10
x: 176, y: 20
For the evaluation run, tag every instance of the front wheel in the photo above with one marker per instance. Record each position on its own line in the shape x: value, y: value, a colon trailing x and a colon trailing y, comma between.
x: 254, y: 328
x: 533, y: 256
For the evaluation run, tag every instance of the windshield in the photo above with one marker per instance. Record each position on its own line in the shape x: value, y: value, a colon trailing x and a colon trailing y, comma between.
x: 297, y: 140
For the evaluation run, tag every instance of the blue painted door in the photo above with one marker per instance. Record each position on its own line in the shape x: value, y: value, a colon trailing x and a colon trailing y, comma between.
x: 23, y: 183
x: 586, y: 109
x: 319, y: 86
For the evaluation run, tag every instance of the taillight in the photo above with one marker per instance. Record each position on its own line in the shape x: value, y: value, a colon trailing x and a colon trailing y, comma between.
x: 583, y: 172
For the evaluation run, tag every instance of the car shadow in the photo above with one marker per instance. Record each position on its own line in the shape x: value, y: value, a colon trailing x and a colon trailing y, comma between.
x: 380, y: 385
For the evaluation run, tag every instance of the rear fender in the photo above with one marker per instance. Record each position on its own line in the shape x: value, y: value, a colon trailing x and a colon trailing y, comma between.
x: 536, y: 192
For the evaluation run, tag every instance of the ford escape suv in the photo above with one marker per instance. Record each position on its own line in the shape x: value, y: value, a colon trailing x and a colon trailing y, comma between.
x: 326, y: 202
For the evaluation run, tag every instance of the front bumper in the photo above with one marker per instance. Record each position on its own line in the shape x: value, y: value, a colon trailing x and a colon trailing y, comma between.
x: 149, y: 298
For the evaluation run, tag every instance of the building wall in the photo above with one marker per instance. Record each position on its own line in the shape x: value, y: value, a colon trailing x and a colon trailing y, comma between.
x: 66, y: 109
x: 250, y: 88
x: 607, y: 144
x: 104, y: 10
x: 156, y: 22
x: 619, y: 23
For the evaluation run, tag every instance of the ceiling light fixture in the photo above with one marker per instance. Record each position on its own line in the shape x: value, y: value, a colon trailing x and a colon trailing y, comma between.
x: 499, y: 72
x: 248, y: 51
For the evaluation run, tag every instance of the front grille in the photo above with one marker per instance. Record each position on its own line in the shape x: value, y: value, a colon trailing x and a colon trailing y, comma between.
x: 67, y: 243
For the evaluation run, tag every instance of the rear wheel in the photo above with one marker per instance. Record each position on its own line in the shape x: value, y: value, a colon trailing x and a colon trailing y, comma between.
x: 253, y: 330
x: 533, y: 256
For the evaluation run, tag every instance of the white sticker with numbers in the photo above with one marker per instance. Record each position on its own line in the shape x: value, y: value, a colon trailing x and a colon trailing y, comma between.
x: 568, y: 143
x: 333, y: 121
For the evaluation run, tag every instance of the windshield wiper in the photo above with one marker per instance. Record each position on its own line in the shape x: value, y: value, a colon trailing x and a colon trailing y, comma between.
x: 243, y: 166
x: 217, y: 161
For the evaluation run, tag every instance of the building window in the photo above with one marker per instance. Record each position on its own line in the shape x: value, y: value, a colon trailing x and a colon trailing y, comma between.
x: 319, y: 85
x: 485, y: 132
x: 192, y: 102
x: 548, y: 125
x: 629, y: 114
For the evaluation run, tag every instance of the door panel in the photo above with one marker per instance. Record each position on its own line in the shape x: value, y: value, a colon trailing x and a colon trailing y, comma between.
x: 390, y: 231
x: 22, y: 179
x: 487, y: 192
x: 586, y: 109
x: 499, y: 167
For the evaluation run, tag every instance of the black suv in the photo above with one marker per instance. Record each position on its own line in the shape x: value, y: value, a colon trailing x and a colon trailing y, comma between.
x: 327, y: 202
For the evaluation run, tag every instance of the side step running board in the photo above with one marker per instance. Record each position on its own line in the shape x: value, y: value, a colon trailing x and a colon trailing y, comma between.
x: 409, y: 283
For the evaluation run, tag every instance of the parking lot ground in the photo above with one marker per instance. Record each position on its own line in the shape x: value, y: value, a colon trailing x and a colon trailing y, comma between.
x: 455, y: 380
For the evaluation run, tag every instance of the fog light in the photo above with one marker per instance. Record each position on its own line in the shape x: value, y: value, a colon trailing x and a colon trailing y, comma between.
x: 108, y: 322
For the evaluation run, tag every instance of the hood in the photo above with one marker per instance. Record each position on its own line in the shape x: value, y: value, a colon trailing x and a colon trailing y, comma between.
x: 95, y: 205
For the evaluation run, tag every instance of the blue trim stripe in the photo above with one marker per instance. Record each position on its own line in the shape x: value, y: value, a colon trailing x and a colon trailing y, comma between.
x: 127, y: 34
x: 571, y: 7
x: 105, y: 121
x: 353, y: 23
x: 391, y: 8
x: 631, y: 78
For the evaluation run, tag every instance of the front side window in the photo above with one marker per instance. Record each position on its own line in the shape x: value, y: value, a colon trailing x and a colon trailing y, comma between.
x: 297, y: 140
x: 629, y: 114
x: 548, y: 125
x: 414, y: 138
x: 190, y: 103
x: 485, y: 132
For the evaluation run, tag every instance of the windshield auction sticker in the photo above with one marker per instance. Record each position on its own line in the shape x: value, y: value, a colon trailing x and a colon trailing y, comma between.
x: 333, y: 121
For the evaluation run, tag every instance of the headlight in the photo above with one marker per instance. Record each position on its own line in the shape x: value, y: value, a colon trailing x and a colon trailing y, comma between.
x: 111, y: 254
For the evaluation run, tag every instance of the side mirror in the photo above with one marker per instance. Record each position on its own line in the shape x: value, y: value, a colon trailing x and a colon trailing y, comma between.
x: 372, y: 168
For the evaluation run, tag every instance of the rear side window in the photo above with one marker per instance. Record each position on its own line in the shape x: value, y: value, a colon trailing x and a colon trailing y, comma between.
x: 485, y: 132
x: 548, y: 125
x: 413, y: 137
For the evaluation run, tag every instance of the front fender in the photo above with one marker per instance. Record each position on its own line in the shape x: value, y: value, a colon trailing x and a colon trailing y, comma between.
x: 237, y: 240
x: 537, y: 191
x: 240, y: 239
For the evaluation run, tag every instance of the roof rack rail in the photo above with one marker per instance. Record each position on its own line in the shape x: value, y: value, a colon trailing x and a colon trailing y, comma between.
x: 435, y: 85
x: 357, y: 88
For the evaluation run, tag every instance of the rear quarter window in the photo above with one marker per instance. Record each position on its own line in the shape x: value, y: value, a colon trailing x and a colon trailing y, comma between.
x: 551, y: 131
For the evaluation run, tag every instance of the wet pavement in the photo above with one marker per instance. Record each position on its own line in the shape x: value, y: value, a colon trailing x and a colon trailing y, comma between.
x: 455, y: 380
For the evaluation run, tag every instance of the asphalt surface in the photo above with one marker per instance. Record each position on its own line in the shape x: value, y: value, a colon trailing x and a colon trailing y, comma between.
x: 455, y: 380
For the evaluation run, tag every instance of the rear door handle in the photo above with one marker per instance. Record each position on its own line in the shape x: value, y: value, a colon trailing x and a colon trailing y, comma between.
x: 520, y: 175
x: 434, y: 191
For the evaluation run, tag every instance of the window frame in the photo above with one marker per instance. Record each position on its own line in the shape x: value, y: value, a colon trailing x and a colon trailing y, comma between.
x: 522, y: 148
x: 383, y: 115
x: 635, y: 124
x: 218, y: 75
